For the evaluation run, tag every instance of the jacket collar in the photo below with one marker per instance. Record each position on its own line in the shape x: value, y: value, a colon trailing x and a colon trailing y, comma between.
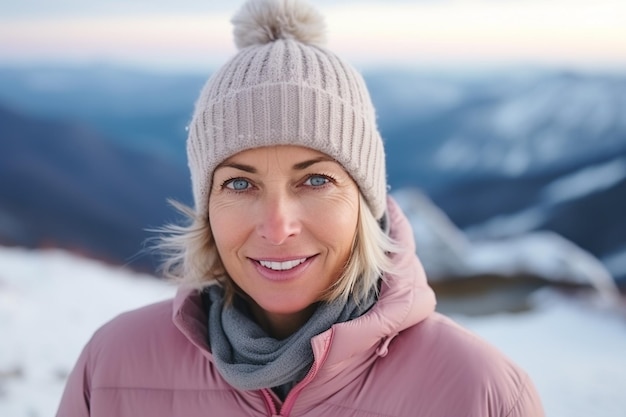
x: 405, y: 299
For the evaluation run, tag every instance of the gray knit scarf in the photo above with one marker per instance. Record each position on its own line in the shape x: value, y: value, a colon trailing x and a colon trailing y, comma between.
x: 248, y: 358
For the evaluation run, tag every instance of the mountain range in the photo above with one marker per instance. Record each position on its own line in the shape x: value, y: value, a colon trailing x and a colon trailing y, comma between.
x: 88, y: 156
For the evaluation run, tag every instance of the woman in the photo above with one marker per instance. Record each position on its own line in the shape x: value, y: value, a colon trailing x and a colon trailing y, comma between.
x: 300, y: 291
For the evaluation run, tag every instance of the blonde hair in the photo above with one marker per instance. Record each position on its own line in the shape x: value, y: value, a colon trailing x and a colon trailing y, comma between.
x: 190, y: 256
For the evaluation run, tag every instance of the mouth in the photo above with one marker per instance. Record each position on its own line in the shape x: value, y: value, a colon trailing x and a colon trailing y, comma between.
x: 282, y: 270
x: 282, y: 266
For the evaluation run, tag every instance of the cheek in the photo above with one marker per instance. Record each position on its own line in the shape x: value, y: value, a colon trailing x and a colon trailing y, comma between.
x: 335, y: 223
x: 226, y: 226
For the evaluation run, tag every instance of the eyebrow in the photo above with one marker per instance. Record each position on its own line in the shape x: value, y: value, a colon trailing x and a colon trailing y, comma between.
x: 308, y: 163
x: 298, y: 167
x: 241, y: 167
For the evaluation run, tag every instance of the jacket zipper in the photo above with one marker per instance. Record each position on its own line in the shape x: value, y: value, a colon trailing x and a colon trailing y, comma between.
x: 289, y: 402
x: 286, y: 407
x: 269, y: 402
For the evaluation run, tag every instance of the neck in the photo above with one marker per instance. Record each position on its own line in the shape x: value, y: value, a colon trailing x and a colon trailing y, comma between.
x: 281, y: 325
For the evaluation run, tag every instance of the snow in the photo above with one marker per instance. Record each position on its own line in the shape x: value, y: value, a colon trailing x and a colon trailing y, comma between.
x: 502, y: 246
x: 574, y: 353
x: 538, y: 123
x: 51, y: 302
x: 541, y: 254
x: 456, y: 152
x: 441, y: 245
x: 616, y: 262
x: 567, y: 104
x: 509, y: 224
x: 589, y: 180
x: 586, y: 181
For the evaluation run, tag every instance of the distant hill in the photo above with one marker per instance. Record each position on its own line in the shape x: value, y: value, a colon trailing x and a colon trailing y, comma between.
x: 443, y: 130
x: 65, y: 185
x: 590, y: 216
x: 136, y: 110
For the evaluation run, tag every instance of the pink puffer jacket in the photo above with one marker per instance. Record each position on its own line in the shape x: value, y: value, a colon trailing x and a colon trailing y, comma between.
x: 399, y: 359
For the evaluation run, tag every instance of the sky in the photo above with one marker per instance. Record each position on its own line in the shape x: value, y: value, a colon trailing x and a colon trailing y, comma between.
x: 192, y: 35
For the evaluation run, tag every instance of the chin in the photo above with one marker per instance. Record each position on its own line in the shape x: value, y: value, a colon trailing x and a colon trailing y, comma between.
x: 285, y: 307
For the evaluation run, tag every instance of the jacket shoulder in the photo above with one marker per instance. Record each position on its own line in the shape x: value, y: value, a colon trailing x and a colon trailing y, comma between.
x: 143, y: 348
x: 136, y: 329
x: 458, y: 372
x: 135, y: 324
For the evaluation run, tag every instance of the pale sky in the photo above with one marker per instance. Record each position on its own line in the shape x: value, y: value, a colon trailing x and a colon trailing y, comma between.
x: 195, y: 35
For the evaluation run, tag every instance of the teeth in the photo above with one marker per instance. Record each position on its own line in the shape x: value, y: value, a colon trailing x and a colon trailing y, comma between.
x: 282, y: 266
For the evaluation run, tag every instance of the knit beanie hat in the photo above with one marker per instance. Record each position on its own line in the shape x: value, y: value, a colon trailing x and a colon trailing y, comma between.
x: 284, y: 88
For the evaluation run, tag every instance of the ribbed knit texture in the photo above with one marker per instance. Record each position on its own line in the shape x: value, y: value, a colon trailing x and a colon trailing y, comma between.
x: 287, y: 93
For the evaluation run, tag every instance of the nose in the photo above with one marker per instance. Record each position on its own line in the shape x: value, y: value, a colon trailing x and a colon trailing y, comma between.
x: 278, y: 218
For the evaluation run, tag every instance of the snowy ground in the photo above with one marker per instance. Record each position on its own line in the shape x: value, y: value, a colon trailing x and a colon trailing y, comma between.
x: 51, y: 302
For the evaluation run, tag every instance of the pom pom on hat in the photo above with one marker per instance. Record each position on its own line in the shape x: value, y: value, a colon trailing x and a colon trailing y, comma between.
x: 259, y: 22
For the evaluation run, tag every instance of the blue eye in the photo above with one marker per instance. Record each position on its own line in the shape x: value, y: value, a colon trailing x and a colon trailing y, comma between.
x: 317, y: 180
x: 238, y: 184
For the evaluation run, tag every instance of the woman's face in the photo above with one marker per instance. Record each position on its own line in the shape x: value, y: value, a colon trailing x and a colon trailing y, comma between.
x: 284, y: 219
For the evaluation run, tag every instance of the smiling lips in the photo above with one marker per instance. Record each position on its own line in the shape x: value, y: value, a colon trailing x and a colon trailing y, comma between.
x: 282, y: 266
